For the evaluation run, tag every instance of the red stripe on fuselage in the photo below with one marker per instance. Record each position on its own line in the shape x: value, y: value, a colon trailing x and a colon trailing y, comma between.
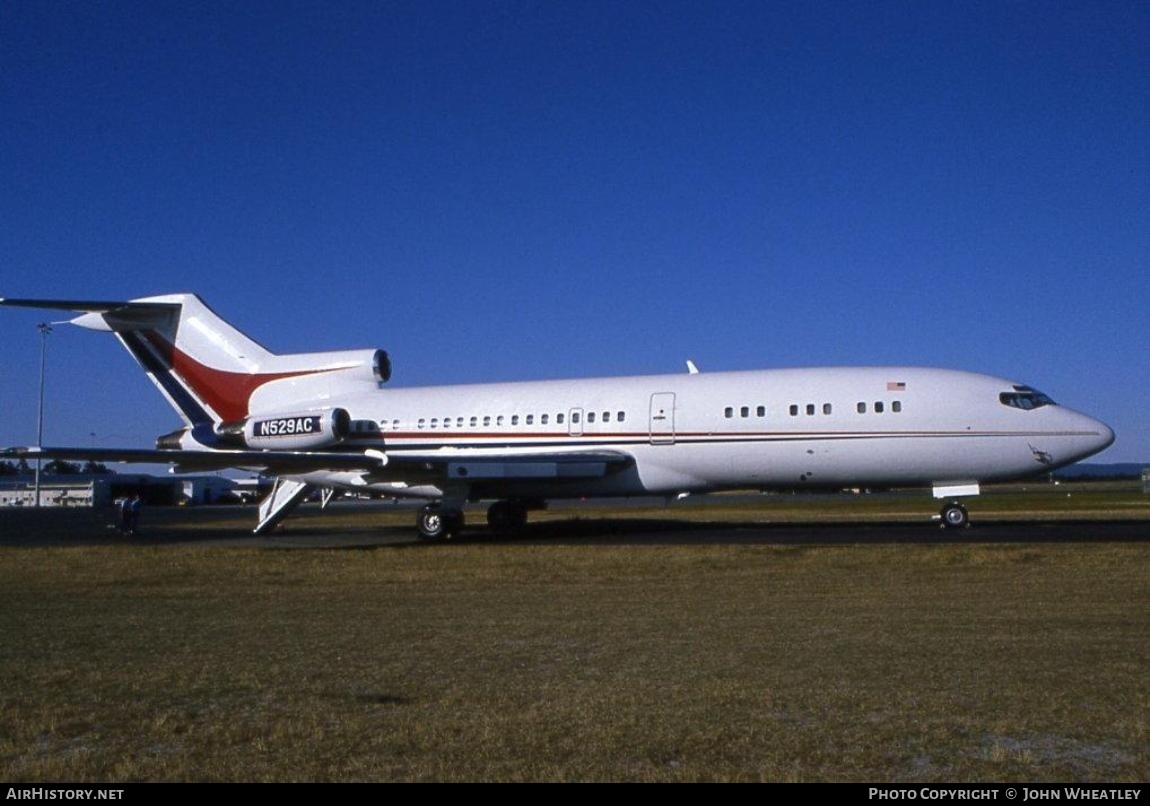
x: 227, y: 393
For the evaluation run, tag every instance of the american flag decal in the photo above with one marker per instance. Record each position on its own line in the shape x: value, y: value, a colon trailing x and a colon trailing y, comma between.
x: 895, y: 386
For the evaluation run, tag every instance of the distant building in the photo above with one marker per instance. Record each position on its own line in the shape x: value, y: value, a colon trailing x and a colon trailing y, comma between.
x: 1146, y: 479
x: 80, y: 492
x: 102, y: 490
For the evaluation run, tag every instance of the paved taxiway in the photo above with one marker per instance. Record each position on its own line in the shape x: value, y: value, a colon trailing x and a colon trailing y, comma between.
x: 217, y: 527
x: 642, y: 532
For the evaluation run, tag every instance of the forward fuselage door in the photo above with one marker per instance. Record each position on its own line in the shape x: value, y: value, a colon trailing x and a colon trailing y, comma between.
x: 662, y: 426
x: 575, y: 422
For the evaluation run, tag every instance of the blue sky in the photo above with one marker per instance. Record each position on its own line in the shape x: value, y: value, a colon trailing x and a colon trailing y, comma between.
x: 517, y: 190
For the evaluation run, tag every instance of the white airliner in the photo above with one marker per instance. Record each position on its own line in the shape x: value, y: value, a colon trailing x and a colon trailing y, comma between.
x: 325, y: 420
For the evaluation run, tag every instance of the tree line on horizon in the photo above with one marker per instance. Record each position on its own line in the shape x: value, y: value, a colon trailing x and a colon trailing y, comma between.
x: 57, y: 467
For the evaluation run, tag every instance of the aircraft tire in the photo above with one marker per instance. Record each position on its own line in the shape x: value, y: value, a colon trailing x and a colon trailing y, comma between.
x: 955, y: 516
x: 436, y: 523
x: 507, y: 516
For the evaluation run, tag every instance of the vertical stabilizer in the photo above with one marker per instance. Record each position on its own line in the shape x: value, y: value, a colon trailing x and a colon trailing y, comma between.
x: 209, y: 371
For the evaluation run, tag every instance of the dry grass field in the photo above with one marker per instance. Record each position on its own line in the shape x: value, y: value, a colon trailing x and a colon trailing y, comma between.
x: 572, y: 656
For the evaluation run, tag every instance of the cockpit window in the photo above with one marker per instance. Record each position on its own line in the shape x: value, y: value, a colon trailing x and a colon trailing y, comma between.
x: 1025, y: 398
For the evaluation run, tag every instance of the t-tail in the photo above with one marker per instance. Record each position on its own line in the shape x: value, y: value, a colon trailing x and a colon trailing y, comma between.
x: 216, y: 377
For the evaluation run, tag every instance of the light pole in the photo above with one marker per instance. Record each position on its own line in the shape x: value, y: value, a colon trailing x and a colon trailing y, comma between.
x: 44, y: 329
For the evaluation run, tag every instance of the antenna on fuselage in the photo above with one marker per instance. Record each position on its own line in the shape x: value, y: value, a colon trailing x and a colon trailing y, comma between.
x: 691, y: 368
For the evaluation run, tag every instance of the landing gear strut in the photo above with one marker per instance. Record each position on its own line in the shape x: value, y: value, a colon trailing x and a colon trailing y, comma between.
x: 954, y: 516
x: 439, y: 523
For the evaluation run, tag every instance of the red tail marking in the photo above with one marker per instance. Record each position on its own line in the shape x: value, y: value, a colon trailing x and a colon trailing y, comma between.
x: 227, y: 393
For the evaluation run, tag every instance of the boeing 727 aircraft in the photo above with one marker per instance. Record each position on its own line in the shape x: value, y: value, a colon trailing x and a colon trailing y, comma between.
x: 326, y: 420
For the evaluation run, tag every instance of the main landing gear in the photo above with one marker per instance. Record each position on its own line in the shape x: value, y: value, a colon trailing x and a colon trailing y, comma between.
x: 439, y: 522
x: 507, y: 516
x: 954, y: 516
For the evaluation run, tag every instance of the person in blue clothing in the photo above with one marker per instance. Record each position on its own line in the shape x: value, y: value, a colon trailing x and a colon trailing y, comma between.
x: 124, y: 510
x: 133, y: 514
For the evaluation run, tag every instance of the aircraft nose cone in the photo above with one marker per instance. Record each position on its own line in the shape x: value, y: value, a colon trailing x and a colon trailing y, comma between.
x: 1101, y: 436
x: 1085, y: 436
x: 1105, y: 435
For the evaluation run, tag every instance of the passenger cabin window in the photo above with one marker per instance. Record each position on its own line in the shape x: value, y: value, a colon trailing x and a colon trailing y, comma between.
x: 590, y: 416
x: 810, y: 409
x: 1025, y: 398
x: 761, y: 411
x: 543, y: 419
x: 515, y: 419
x: 530, y: 419
x: 896, y: 406
x: 794, y: 411
x: 622, y: 416
x: 878, y: 407
x: 728, y: 412
x: 827, y: 408
x: 606, y: 416
x: 745, y: 411
x: 559, y: 418
x: 861, y: 408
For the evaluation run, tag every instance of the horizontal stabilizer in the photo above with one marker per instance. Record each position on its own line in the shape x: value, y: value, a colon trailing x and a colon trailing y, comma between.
x: 87, y: 306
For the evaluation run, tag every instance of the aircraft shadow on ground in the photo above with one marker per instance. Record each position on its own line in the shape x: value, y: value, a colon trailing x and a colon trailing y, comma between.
x: 672, y: 532
x: 579, y: 531
x: 669, y: 532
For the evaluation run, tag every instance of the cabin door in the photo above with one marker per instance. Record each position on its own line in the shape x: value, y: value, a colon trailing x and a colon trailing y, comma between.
x: 662, y: 426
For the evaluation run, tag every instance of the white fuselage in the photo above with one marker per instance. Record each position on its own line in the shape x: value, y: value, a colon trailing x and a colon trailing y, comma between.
x: 327, y: 419
x: 791, y: 428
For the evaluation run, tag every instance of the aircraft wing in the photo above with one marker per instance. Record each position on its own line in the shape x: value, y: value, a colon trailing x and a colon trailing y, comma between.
x: 277, y: 462
x: 432, y: 466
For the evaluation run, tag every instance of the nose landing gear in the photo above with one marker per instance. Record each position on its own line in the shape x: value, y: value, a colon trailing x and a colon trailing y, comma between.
x: 954, y: 516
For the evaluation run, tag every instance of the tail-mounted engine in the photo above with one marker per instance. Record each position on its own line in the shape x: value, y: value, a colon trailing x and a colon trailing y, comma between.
x: 291, y: 431
x: 311, y: 380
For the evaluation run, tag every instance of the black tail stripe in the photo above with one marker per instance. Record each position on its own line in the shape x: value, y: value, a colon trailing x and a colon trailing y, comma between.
x: 162, y: 373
